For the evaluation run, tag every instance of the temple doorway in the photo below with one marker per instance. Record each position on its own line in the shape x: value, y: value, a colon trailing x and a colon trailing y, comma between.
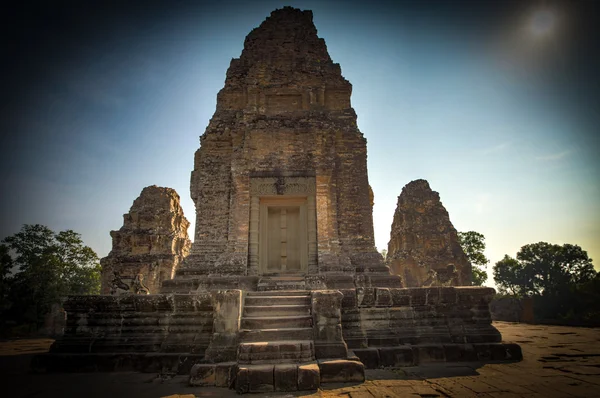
x: 283, y: 235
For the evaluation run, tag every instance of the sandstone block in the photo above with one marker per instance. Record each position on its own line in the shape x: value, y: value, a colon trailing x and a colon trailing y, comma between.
x: 325, y: 349
x: 260, y: 378
x: 396, y: 356
x: 224, y: 374
x: 368, y: 356
x: 327, y: 303
x: 383, y: 297
x: 202, y: 375
x: 328, y: 330
x: 285, y: 377
x: 309, y: 377
x: 242, y: 380
x: 429, y: 353
x: 341, y: 371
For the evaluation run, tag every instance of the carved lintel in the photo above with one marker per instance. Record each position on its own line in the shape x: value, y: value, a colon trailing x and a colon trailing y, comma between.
x: 302, y: 186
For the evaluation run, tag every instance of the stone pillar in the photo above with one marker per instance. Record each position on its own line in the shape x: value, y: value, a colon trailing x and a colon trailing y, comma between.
x: 253, y: 239
x: 327, y: 324
x: 312, y: 234
x: 226, y: 326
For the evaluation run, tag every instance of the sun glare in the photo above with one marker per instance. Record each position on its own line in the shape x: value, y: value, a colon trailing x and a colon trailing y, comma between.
x: 542, y: 23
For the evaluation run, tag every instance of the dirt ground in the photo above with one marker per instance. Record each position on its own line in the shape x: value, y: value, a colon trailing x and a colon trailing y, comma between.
x: 559, y: 361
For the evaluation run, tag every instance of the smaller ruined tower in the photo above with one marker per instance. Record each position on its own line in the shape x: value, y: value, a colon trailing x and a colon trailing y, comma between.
x: 424, y: 248
x: 152, y: 243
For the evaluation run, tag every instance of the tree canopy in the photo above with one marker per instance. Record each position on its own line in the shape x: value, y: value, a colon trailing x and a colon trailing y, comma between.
x: 473, y: 244
x: 46, y: 266
x: 561, y: 280
x: 543, y: 268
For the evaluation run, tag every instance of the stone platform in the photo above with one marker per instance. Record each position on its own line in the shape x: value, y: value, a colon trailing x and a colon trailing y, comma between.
x: 558, y: 362
x: 277, y: 340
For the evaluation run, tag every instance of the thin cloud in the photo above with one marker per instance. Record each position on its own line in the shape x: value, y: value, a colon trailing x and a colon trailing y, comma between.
x: 554, y: 156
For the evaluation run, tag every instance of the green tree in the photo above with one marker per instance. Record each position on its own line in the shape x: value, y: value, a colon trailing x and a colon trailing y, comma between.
x: 544, y: 269
x: 508, y: 275
x: 473, y: 244
x: 48, y: 266
x: 6, y: 265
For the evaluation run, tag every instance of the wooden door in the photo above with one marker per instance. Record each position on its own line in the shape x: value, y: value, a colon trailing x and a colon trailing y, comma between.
x: 283, y: 237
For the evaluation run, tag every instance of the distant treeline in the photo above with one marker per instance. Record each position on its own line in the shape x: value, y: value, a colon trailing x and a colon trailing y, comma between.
x: 550, y: 284
x: 37, y: 268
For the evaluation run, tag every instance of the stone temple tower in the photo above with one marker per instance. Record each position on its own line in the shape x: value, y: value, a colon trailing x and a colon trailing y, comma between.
x: 283, y: 288
x: 280, y: 180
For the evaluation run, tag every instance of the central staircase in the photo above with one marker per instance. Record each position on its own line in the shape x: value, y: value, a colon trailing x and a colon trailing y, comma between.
x: 278, y: 344
x: 276, y: 350
x: 276, y: 327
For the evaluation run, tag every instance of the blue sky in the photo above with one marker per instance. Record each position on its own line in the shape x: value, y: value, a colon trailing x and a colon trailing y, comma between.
x: 501, y: 122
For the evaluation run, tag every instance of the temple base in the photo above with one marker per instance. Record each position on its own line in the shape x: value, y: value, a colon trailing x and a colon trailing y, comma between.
x: 278, y: 340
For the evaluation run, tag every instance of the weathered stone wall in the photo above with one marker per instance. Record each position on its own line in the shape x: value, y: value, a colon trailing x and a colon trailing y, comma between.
x: 153, y: 241
x: 389, y: 317
x: 177, y: 323
x: 284, y: 112
x: 424, y: 248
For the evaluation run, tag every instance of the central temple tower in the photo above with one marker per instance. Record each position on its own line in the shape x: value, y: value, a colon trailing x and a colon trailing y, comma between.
x: 280, y: 180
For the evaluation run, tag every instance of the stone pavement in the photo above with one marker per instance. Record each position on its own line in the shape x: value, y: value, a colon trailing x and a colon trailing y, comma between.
x: 559, y: 361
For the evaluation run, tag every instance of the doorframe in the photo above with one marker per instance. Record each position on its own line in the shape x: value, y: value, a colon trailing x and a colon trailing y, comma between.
x: 282, y: 188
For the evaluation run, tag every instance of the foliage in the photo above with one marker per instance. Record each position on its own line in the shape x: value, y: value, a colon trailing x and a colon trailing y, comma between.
x: 473, y: 244
x: 561, y: 279
x: 508, y: 276
x: 544, y: 268
x: 6, y: 265
x: 579, y: 305
x: 47, y: 266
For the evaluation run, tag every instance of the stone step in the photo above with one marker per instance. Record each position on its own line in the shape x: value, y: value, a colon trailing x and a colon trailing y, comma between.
x: 341, y: 371
x: 271, y: 335
x: 279, y: 283
x: 279, y: 377
x: 280, y: 286
x: 280, y: 293
x: 289, y: 351
x: 272, y: 322
x: 277, y: 300
x: 275, y: 310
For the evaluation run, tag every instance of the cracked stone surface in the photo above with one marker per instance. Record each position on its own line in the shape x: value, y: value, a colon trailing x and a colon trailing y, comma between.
x: 559, y: 361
